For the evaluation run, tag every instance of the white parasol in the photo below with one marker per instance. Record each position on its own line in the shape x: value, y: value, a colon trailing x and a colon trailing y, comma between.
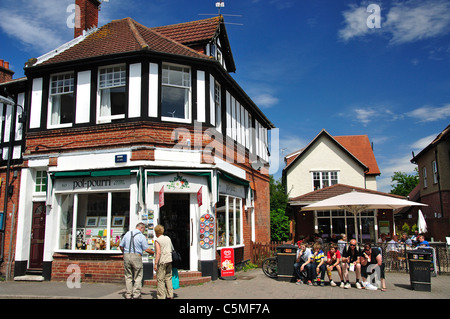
x: 421, y: 223
x: 356, y: 202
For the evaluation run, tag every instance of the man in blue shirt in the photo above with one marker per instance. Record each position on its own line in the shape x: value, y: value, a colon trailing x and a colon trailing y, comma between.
x: 133, y: 245
x: 422, y: 241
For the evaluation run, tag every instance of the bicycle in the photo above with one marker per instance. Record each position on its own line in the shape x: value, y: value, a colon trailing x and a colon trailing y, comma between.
x: 270, y: 267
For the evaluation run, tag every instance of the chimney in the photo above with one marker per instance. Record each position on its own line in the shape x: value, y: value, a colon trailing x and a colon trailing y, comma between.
x: 5, y: 73
x: 86, y: 15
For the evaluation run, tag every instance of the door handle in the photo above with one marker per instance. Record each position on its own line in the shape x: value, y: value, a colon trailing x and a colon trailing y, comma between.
x: 192, y: 231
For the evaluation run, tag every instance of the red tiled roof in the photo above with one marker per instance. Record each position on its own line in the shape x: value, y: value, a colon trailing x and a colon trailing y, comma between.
x: 191, y: 32
x: 359, y: 146
x: 334, y: 190
x: 121, y: 36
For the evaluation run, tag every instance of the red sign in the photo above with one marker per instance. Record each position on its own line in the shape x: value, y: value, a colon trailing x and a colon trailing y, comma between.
x: 199, y: 197
x: 227, y: 262
x: 161, y: 197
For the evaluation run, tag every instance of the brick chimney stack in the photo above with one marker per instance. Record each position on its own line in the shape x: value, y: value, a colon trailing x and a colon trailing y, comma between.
x: 86, y: 15
x: 5, y: 73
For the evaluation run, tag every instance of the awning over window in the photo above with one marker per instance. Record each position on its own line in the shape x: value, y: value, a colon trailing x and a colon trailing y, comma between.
x: 112, y: 172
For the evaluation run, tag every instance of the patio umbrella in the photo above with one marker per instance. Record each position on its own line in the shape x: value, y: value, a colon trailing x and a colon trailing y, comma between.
x: 421, y: 223
x: 356, y: 202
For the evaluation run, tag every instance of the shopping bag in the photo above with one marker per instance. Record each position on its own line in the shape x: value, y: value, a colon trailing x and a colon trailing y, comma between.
x: 175, y: 279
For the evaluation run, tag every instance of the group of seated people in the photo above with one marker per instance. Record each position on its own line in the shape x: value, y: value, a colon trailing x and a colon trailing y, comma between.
x: 311, y: 265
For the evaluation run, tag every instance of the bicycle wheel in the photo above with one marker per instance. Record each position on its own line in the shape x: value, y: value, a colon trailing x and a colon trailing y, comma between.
x: 270, y: 267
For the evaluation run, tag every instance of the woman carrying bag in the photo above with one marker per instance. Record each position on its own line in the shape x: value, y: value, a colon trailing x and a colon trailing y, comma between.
x: 163, y: 264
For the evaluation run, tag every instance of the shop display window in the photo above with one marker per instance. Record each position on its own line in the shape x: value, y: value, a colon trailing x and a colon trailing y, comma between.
x: 229, y: 220
x: 100, y: 218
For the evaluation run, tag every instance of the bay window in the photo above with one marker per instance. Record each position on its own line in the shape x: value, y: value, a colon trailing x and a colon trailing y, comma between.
x: 93, y: 221
x: 61, y: 100
x: 112, y: 93
x: 176, y: 93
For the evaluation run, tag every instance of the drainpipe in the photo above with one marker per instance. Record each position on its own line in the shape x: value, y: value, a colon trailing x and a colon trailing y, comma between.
x: 438, y: 180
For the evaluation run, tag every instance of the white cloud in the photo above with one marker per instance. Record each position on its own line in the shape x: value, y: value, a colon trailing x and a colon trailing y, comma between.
x: 39, y: 25
x: 416, y: 20
x: 406, y: 21
x: 366, y: 115
x: 355, y: 23
x: 423, y: 142
x: 265, y: 100
x: 430, y: 113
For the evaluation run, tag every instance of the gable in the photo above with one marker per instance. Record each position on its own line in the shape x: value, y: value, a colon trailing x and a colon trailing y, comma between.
x: 313, y: 143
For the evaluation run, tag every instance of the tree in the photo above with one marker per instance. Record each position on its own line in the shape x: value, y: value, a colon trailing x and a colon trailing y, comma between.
x: 404, y: 183
x: 279, y: 221
x: 278, y: 197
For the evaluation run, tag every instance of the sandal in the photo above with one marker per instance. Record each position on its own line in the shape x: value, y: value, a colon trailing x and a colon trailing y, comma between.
x: 384, y: 289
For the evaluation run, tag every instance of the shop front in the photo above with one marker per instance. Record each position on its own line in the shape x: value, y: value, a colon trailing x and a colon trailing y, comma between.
x: 86, y: 213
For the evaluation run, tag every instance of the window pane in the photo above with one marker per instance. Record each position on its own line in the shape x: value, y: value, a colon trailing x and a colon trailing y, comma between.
x: 65, y: 231
x: 231, y: 225
x: 91, y: 217
x: 120, y: 217
x: 221, y: 222
x: 175, y: 102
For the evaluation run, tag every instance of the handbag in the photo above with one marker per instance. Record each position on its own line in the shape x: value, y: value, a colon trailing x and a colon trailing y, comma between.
x: 176, y: 258
x: 175, y: 279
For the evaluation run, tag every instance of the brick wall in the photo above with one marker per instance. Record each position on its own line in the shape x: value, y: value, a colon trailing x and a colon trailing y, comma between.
x: 88, y: 10
x: 9, y: 242
x: 93, y: 267
x: 150, y: 135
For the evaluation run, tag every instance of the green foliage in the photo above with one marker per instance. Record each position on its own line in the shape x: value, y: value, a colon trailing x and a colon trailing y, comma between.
x: 279, y: 225
x: 278, y: 197
x: 404, y: 183
x: 279, y: 221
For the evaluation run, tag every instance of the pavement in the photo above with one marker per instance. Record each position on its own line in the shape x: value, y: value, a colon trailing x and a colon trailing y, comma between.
x: 252, y: 284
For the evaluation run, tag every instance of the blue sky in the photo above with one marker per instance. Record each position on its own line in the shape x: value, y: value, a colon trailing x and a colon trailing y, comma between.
x: 376, y: 68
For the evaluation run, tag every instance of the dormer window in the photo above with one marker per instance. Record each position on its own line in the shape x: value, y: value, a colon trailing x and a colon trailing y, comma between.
x: 112, y: 95
x: 61, y: 100
x: 176, y: 93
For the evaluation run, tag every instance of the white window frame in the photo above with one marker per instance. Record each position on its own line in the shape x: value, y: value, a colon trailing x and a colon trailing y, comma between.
x: 122, y: 83
x: 425, y: 180
x: 75, y: 218
x: 188, y: 108
x: 70, y: 89
x: 435, y: 172
x: 320, y: 172
x: 218, y: 105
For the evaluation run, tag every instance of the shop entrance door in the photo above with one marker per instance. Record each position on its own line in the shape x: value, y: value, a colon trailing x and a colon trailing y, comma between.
x: 37, y: 236
x: 174, y: 216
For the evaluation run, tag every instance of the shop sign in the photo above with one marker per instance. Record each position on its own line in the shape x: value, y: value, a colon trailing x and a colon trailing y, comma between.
x: 92, y: 183
x: 227, y: 188
x: 227, y: 262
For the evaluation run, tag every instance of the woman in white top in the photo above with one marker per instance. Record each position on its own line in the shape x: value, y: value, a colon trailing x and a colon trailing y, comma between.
x: 163, y: 264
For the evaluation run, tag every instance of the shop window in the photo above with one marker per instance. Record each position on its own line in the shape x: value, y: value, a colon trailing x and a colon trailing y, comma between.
x: 61, y: 101
x: 100, y: 218
x: 229, y: 221
x: 112, y: 93
x: 41, y: 181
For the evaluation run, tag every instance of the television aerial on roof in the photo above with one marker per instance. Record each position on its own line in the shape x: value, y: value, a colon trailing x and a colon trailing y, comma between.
x: 219, y: 5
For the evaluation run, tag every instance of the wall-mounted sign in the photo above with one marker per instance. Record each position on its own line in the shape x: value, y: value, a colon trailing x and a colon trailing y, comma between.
x: 92, y: 183
x: 207, y: 230
x: 121, y: 158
